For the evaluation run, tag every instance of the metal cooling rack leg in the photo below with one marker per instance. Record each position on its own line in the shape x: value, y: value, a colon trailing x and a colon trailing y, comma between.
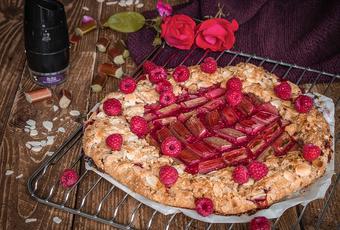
x: 167, y: 227
x: 88, y: 192
x: 102, y: 201
x: 187, y: 227
x: 209, y: 226
x: 231, y: 227
x: 151, y: 219
x: 314, y: 82
x: 115, y: 212
x: 133, y: 215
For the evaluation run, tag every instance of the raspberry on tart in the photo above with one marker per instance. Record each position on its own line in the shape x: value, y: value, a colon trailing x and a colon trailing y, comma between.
x: 112, y: 107
x: 209, y: 65
x: 157, y: 75
x: 260, y: 223
x: 148, y: 66
x: 168, y: 175
x: 234, y: 83
x: 127, y: 85
x: 167, y: 98
x: 234, y: 97
x: 114, y: 141
x: 303, y: 104
x: 139, y: 126
x: 163, y: 86
x: 171, y: 147
x: 283, y: 90
x: 181, y: 73
x: 240, y: 174
x: 204, y: 206
x: 257, y: 170
x: 311, y: 152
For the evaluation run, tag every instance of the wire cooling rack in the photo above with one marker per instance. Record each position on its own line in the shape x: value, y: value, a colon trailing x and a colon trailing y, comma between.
x: 120, y: 210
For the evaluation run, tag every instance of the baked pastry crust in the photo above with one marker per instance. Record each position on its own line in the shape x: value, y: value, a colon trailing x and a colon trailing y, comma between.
x: 137, y: 164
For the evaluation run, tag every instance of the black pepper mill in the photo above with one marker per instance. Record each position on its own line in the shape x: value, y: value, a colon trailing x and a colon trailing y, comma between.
x: 46, y: 41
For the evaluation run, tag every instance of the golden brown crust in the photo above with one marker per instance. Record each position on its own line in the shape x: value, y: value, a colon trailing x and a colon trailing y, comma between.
x: 137, y: 164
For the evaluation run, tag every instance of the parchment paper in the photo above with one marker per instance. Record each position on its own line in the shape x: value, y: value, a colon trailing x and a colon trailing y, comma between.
x: 315, y: 191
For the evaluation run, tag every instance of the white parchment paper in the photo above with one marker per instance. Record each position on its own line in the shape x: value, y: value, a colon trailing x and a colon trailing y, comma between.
x: 315, y: 191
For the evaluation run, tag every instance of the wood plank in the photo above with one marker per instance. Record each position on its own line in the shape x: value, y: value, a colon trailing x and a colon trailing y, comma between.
x: 15, y: 156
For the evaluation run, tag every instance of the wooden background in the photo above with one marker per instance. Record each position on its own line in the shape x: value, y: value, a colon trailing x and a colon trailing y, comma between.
x: 16, y: 204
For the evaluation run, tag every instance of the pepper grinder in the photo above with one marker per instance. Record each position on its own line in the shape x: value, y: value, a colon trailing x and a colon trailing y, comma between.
x: 46, y: 41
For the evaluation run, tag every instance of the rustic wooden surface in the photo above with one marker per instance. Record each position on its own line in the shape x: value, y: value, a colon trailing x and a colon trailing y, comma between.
x: 16, y: 203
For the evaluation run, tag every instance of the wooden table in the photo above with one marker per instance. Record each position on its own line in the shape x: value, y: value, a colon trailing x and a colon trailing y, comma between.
x: 16, y: 203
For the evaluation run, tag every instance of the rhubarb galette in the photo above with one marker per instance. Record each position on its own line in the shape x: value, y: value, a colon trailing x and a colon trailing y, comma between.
x: 219, y: 140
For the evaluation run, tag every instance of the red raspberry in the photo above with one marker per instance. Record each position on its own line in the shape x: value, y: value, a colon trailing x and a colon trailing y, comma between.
x: 260, y: 223
x: 234, y: 97
x: 114, y: 141
x: 68, y: 178
x: 168, y: 175
x: 181, y: 73
x: 167, y: 98
x: 157, y: 74
x: 257, y: 170
x: 209, y: 65
x: 112, y: 107
x: 163, y: 86
x: 234, y: 83
x: 303, y: 104
x: 283, y: 90
x: 127, y: 85
x: 240, y: 174
x: 204, y: 206
x: 148, y: 66
x: 310, y: 152
x: 139, y: 126
x: 171, y: 147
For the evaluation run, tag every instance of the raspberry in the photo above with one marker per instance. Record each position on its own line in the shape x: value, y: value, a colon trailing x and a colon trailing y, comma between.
x: 167, y: 98
x: 114, y: 141
x: 260, y: 223
x: 257, y: 170
x: 157, y: 74
x: 127, y: 85
x: 181, y: 73
x: 303, y: 104
x: 148, y: 66
x: 234, y: 83
x: 171, y: 147
x: 112, y: 107
x: 240, y: 175
x: 204, y: 206
x: 162, y: 86
x: 209, y: 65
x: 310, y: 152
x: 234, y: 97
x: 139, y: 126
x: 283, y: 90
x: 168, y: 175
x: 68, y: 178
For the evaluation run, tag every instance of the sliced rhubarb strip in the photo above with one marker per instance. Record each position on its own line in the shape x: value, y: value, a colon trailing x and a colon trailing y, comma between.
x: 282, y: 144
x: 265, y: 117
x: 164, y: 121
x: 193, y: 102
x: 250, y: 126
x: 236, y: 156
x: 152, y: 107
x: 210, y: 165
x: 188, y: 157
x: 185, y: 116
x: 192, y: 169
x: 163, y: 133
x: 229, y: 116
x: 218, y: 143
x: 150, y: 116
x: 245, y: 107
x: 168, y: 110
x: 214, y: 93
x: 213, y: 118
x: 211, y: 105
x: 202, y: 150
x: 232, y: 135
x: 256, y: 146
x: 181, y: 132
x: 268, y: 107
x: 271, y: 132
x: 196, y: 127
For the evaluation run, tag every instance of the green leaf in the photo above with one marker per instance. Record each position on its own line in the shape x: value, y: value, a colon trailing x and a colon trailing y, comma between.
x: 126, y: 22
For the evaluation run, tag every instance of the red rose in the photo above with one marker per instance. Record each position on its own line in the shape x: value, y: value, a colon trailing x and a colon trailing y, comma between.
x: 179, y: 31
x: 216, y: 34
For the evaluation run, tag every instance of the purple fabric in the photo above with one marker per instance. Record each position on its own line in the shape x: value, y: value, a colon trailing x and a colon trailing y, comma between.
x: 306, y: 33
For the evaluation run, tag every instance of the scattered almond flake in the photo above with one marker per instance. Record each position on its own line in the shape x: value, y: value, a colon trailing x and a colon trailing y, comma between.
x: 9, y: 172
x: 111, y: 3
x: 122, y: 3
x: 29, y: 220
x: 36, y: 148
x: 55, y: 108
x: 61, y: 129
x: 74, y: 113
x: 129, y: 2
x: 34, y: 143
x: 55, y: 118
x: 31, y: 122
x: 50, y: 140
x: 27, y: 130
x: 28, y: 145
x: 43, y: 143
x: 61, y: 119
x: 33, y: 133
x: 57, y: 220
x: 48, y: 125
x: 100, y: 1
x: 136, y: 2
x: 49, y: 153
x: 85, y: 8
x: 140, y: 5
x: 43, y: 133
x: 19, y: 176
